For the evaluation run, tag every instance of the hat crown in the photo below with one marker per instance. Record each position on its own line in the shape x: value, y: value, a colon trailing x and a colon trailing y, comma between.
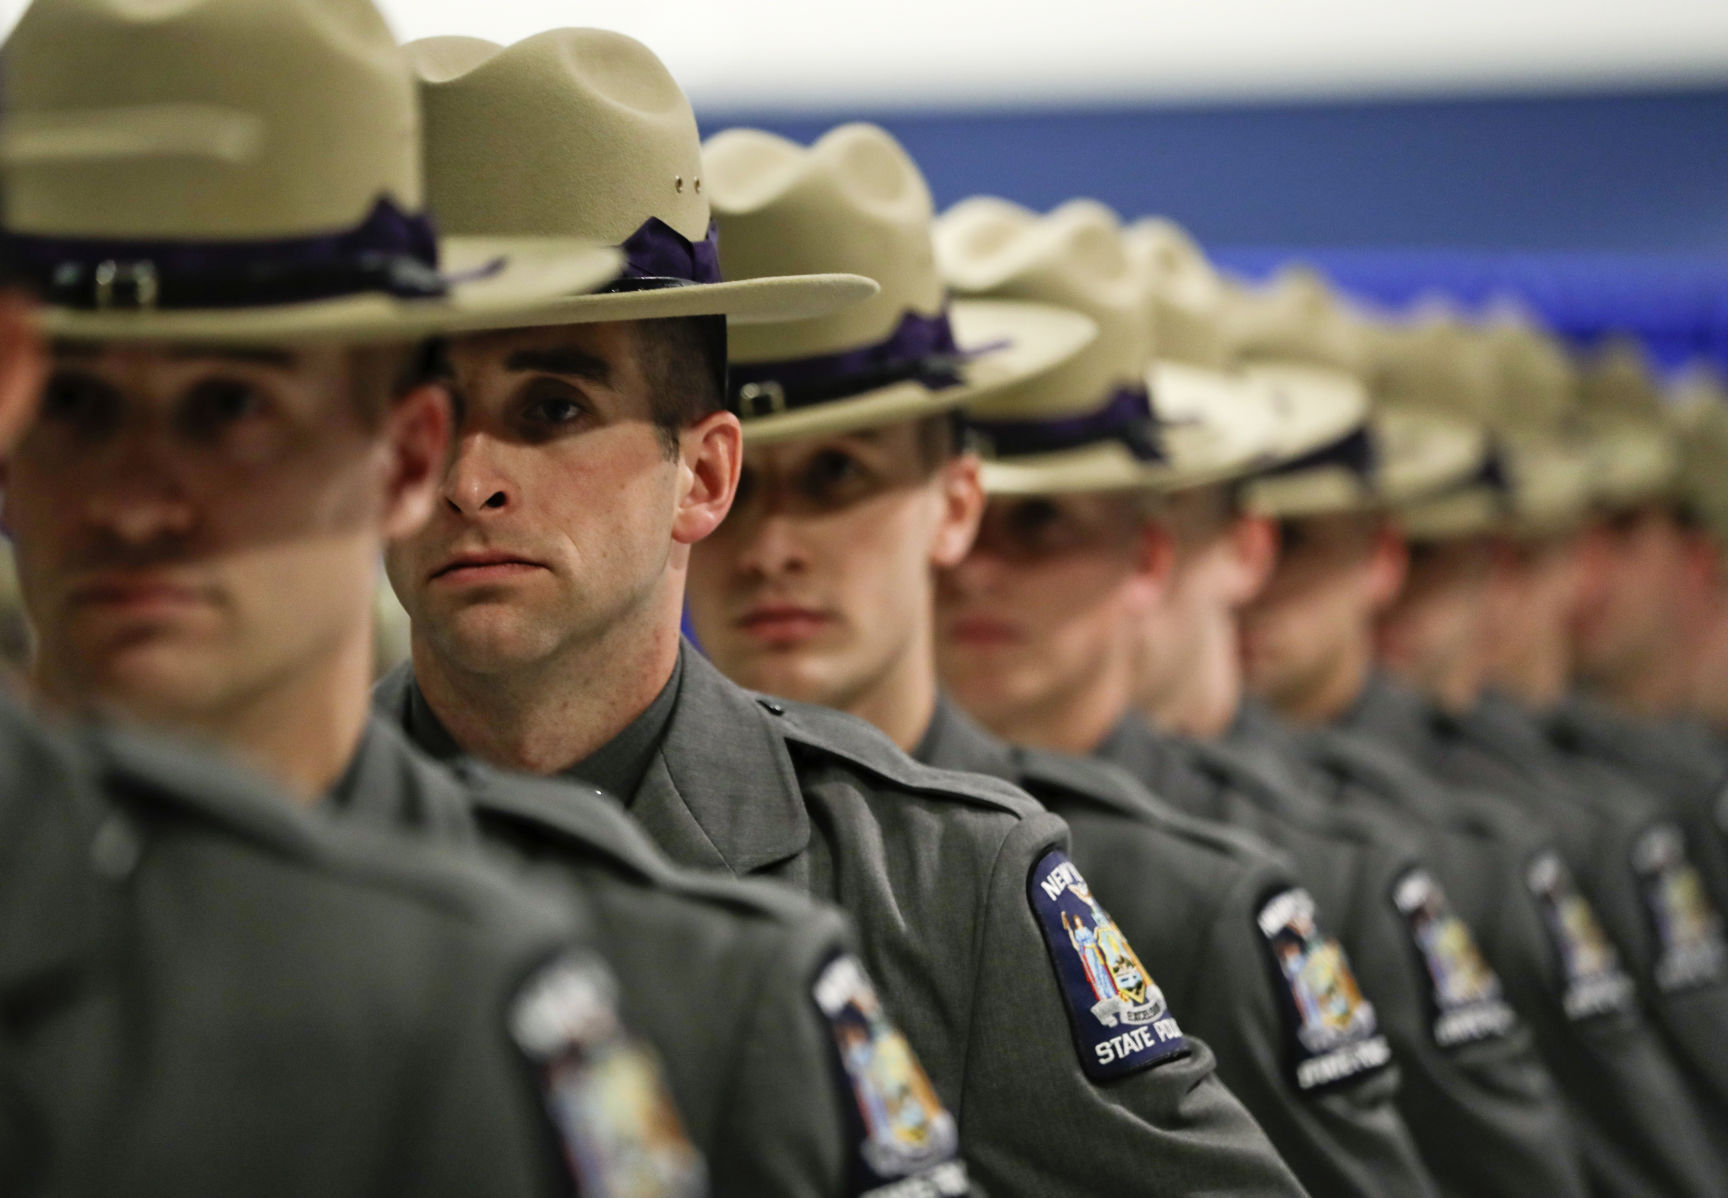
x: 1294, y: 319
x: 1698, y: 411
x: 197, y: 120
x: 1535, y: 385
x: 570, y: 133
x: 853, y: 202
x: 1619, y: 388
x: 1434, y: 365
x: 1073, y: 258
x: 1185, y: 294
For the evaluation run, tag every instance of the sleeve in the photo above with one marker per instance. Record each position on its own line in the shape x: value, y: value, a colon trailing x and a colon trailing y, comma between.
x: 1299, y: 1043
x: 542, y: 1092
x: 827, y: 1097
x: 1125, y: 1104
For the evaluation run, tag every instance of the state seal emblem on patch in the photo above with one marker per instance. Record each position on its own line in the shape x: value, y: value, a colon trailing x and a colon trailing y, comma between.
x: 1465, y: 992
x: 1687, y: 926
x: 603, y: 1089
x: 1594, y: 983
x: 1334, y: 1030
x: 906, y: 1132
x: 1120, y: 1020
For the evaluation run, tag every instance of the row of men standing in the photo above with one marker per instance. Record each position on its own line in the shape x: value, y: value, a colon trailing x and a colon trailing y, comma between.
x: 959, y: 860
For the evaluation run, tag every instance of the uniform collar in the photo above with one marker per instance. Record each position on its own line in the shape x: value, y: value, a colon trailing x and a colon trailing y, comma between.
x: 722, y: 790
x: 1390, y: 712
x: 621, y: 763
x: 953, y: 741
x: 390, y: 785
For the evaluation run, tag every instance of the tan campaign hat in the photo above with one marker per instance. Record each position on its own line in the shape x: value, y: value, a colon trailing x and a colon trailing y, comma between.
x: 583, y: 134
x: 1091, y: 424
x: 1433, y: 379
x: 1697, y: 410
x: 855, y: 201
x: 240, y: 170
x: 1534, y: 416
x: 1295, y: 338
x: 1633, y: 456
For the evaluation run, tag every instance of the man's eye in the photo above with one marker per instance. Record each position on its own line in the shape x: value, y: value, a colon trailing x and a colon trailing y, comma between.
x: 87, y: 403
x: 1034, y: 522
x: 553, y: 406
x: 215, y: 405
x: 832, y: 475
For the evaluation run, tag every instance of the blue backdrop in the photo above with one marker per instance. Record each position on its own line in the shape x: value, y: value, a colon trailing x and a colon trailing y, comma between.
x: 1603, y: 210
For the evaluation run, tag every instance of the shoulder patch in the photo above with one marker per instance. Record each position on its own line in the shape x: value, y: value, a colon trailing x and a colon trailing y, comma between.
x: 603, y: 1090
x: 907, y: 1139
x: 1120, y: 1020
x: 1334, y: 1034
x: 1466, y: 999
x: 1688, y: 929
x: 1593, y: 982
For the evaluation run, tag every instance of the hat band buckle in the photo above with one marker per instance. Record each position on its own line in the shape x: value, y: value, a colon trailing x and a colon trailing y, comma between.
x: 757, y: 400
x: 133, y: 286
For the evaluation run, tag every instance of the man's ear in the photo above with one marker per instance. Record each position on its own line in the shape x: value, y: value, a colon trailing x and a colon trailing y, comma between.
x: 1388, y: 566
x: 1254, y: 555
x: 1154, y: 561
x: 416, y: 441
x: 23, y: 366
x: 962, y: 495
x: 710, y: 456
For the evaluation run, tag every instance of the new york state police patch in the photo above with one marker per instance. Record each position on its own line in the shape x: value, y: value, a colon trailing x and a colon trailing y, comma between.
x: 1594, y: 983
x: 1334, y: 1033
x: 1120, y: 1021
x: 1465, y: 996
x: 603, y: 1090
x: 907, y: 1139
x: 1687, y: 927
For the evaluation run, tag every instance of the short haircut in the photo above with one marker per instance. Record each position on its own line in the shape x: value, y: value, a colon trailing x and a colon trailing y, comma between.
x: 683, y: 361
x: 381, y: 374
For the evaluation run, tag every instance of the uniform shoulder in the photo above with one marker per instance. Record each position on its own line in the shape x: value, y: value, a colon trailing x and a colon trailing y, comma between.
x: 860, y: 746
x: 175, y: 791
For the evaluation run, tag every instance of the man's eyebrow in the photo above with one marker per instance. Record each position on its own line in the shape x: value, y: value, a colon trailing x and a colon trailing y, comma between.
x: 251, y: 355
x: 565, y: 360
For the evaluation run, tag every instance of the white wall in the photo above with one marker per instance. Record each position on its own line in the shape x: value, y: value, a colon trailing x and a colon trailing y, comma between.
x: 810, y: 53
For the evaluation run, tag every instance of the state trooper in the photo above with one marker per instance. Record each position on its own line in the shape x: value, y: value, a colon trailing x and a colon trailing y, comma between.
x: 1622, y: 837
x: 820, y: 587
x: 1698, y: 409
x: 208, y: 991
x: 1076, y: 594
x: 546, y: 595
x: 226, y: 442
x: 1640, y: 1130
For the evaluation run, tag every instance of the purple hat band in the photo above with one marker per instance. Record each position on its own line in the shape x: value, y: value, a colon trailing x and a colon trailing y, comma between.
x: 1355, y: 452
x: 391, y: 252
x: 657, y: 252
x: 921, y: 350
x: 1127, y: 419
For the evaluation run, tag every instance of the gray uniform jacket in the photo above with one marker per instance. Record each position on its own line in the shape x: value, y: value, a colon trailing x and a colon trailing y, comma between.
x: 207, y: 991
x: 1481, y: 1110
x: 951, y: 882
x: 718, y: 975
x: 1612, y: 823
x: 1217, y: 911
x: 1640, y: 1128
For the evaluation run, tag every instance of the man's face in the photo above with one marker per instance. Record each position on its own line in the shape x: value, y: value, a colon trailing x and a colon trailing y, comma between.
x: 195, y: 526
x: 1435, y: 628
x: 1210, y: 579
x: 818, y: 584
x: 1629, y: 565
x: 557, y: 507
x: 1316, y: 610
x: 1052, y: 594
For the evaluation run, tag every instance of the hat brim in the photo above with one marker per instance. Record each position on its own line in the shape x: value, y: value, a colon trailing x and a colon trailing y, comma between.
x: 1466, y: 512
x: 744, y: 301
x: 1417, y: 456
x: 1017, y: 341
x: 1630, y: 465
x: 1550, y: 487
x: 1214, y: 428
x: 531, y: 280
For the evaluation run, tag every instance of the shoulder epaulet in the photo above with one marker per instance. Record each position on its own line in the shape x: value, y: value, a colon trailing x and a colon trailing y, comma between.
x: 862, y: 746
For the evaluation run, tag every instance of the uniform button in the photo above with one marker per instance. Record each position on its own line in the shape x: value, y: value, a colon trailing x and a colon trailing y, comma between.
x: 772, y: 707
x: 116, y: 849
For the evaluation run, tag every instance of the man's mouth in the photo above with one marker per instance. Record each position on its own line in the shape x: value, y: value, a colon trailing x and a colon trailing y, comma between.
x: 138, y: 594
x: 484, y: 567
x: 783, y: 623
x: 982, y: 632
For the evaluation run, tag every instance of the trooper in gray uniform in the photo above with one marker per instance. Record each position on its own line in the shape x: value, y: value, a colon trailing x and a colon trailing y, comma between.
x: 1061, y: 554
x: 864, y: 546
x: 592, y: 456
x: 198, y: 524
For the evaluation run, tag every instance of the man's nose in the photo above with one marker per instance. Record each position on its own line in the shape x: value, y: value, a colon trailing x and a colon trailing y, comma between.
x: 138, y: 500
x: 473, y: 483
